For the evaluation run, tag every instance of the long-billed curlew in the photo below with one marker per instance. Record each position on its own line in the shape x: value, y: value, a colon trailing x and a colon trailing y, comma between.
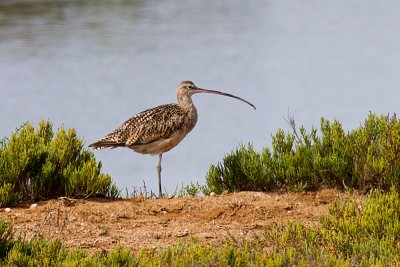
x: 158, y: 130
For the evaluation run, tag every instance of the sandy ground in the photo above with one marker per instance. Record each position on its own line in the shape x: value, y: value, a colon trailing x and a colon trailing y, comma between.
x: 100, y: 224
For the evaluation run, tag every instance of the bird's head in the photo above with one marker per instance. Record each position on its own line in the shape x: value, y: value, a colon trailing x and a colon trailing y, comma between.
x: 187, y: 89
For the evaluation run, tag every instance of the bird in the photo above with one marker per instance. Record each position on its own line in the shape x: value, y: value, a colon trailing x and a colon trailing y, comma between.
x: 157, y: 130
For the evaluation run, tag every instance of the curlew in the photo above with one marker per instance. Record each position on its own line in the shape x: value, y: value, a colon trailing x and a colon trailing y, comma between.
x: 159, y: 129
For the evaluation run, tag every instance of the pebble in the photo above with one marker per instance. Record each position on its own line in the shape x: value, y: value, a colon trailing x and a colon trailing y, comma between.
x: 182, y: 234
x: 212, y: 194
x: 7, y: 210
x: 33, y: 206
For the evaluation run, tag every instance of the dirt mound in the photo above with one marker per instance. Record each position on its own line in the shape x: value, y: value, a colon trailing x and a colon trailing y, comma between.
x: 104, y: 224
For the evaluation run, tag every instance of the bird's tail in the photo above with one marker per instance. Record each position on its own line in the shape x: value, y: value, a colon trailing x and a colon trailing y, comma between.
x: 106, y: 144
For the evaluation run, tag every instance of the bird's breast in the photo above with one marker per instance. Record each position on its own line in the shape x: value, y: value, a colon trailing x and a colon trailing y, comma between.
x: 190, y: 119
x: 168, y: 133
x: 161, y: 145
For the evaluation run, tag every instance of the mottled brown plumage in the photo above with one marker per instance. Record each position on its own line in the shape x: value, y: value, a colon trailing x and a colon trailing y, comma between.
x: 147, y: 130
x: 158, y: 130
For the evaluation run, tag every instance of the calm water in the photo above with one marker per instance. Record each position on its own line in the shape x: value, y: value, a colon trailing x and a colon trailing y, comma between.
x: 93, y: 64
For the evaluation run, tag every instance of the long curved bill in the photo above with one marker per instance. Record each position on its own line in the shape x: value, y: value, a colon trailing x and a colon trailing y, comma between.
x: 200, y: 90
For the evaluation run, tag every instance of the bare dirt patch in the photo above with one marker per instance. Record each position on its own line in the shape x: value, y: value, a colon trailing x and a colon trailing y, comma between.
x: 100, y: 224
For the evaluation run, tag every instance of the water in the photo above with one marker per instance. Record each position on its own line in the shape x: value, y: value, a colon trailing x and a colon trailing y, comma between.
x: 93, y: 64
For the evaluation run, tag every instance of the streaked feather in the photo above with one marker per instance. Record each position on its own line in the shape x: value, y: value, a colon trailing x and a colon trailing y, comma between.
x: 155, y: 124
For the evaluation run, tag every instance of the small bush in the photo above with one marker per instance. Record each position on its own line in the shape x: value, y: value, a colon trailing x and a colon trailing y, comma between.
x: 367, y: 157
x: 242, y: 170
x: 36, y: 164
x: 6, y: 237
x: 358, y: 234
x: 41, y: 252
x: 8, y: 195
x: 366, y: 232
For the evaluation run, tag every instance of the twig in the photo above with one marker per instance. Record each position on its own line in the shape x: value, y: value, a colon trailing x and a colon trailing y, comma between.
x: 290, y: 120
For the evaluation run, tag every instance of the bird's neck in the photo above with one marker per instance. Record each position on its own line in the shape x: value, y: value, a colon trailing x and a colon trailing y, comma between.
x: 186, y: 103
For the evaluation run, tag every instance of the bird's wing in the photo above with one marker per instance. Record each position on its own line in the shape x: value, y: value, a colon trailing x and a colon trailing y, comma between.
x: 145, y: 127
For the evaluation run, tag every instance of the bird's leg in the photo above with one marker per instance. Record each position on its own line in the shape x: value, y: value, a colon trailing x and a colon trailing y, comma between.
x: 159, y: 175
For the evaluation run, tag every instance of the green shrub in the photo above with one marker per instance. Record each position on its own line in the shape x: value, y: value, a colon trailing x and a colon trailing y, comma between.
x: 367, y: 157
x: 41, y: 252
x: 377, y: 152
x: 6, y: 237
x: 8, y: 195
x: 242, y: 170
x: 369, y: 231
x: 356, y: 234
x: 36, y: 164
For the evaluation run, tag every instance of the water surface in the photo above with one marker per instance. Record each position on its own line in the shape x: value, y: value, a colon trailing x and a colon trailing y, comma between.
x: 93, y: 64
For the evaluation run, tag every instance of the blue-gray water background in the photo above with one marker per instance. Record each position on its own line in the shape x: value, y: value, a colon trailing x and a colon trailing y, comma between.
x: 91, y: 65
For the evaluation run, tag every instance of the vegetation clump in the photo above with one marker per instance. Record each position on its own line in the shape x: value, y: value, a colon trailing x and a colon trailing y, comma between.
x: 365, y: 158
x: 36, y: 164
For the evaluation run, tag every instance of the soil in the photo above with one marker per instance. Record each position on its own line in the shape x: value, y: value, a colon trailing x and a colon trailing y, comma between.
x: 101, y: 224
